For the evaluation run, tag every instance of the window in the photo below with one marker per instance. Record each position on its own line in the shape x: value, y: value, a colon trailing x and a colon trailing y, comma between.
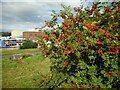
x: 30, y: 34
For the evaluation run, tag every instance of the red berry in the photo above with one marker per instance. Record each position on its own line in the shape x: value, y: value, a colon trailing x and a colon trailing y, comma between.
x: 78, y: 39
x: 89, y: 13
x: 71, y: 17
x: 116, y: 50
x: 110, y: 73
x: 71, y: 82
x: 64, y: 28
x: 47, y: 51
x: 66, y: 33
x: 92, y: 86
x: 72, y: 25
x: 99, y: 43
x: 108, y: 34
x: 63, y: 16
x: 49, y: 26
x: 102, y: 31
x: 66, y: 63
x: 106, y: 39
x: 46, y: 38
x: 77, y: 33
x: 100, y: 52
x: 82, y: 88
x: 118, y: 11
x: 63, y: 36
x: 77, y: 17
x: 95, y: 28
x: 66, y: 53
x: 89, y: 44
x: 72, y: 50
x: 114, y: 25
x: 107, y: 10
x: 92, y: 33
x: 108, y: 49
x: 65, y: 24
x: 89, y: 25
x: 113, y: 53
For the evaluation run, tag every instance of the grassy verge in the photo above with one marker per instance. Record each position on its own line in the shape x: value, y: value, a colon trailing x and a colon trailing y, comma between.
x: 21, y: 74
x: 0, y: 73
x: 10, y: 52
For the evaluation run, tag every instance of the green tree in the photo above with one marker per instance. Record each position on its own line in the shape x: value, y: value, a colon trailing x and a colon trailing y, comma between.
x: 28, y: 44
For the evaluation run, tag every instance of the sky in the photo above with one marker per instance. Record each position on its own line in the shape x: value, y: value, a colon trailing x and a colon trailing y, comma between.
x: 25, y: 15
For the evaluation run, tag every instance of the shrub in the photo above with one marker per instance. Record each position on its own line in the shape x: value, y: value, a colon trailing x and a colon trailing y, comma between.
x: 84, y: 49
x: 28, y: 44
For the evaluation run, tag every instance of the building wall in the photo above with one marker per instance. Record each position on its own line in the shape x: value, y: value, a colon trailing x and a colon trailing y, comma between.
x: 16, y: 33
x: 2, y: 44
x: 7, y: 42
x: 5, y: 38
x: 33, y: 35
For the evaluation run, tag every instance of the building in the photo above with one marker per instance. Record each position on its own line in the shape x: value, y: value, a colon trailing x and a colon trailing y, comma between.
x: 16, y: 33
x: 34, y: 36
x: 11, y: 39
x: 4, y: 38
x: 9, y: 42
x: 3, y: 42
x: 19, y: 41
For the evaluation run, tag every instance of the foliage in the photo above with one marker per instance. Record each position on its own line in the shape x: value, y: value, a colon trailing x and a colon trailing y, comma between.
x: 28, y: 44
x: 84, y: 50
x: 5, y: 34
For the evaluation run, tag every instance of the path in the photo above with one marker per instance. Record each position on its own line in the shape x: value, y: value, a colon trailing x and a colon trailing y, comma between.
x: 32, y: 53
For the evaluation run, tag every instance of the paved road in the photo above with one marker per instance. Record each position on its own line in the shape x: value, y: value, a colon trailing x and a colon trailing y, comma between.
x: 0, y: 57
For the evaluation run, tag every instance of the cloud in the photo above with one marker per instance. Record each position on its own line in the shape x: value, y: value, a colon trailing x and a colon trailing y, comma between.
x: 28, y: 14
x: 0, y: 26
x: 0, y: 12
x: 47, y: 0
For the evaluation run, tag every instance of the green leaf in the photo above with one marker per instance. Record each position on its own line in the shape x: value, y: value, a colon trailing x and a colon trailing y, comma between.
x: 82, y: 65
x: 91, y: 57
x: 92, y: 70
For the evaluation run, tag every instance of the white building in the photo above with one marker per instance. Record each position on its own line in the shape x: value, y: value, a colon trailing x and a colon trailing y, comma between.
x: 16, y: 33
x: 5, y: 38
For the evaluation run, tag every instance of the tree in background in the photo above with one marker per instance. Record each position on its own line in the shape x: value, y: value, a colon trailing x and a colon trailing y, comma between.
x: 28, y: 44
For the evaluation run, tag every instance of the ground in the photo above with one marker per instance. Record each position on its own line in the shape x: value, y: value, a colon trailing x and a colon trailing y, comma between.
x: 21, y: 73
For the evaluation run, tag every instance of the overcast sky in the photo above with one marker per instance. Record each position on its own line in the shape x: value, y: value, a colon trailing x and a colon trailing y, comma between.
x: 28, y: 14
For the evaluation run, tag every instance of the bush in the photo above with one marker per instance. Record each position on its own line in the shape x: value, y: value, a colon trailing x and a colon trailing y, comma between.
x: 84, y: 50
x: 28, y: 44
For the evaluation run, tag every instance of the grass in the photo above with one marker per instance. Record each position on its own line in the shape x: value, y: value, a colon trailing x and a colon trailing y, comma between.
x: 21, y: 74
x: 0, y: 73
x: 10, y: 52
